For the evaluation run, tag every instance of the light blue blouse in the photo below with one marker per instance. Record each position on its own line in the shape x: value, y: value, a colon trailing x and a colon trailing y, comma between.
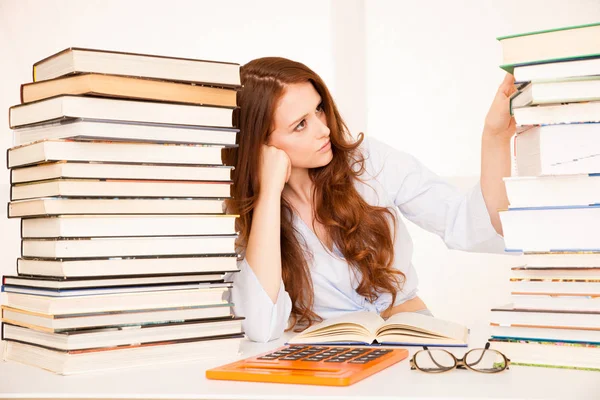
x: 392, y: 179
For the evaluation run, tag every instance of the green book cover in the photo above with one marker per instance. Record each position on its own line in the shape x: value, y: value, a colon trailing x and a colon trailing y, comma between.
x: 553, y: 366
x: 566, y: 28
x: 510, y: 67
x: 542, y: 342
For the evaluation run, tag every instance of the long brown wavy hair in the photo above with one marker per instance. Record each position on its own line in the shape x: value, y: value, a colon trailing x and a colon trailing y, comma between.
x: 363, y: 233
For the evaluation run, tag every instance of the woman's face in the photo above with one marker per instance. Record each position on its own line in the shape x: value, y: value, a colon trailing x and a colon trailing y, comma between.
x: 300, y: 127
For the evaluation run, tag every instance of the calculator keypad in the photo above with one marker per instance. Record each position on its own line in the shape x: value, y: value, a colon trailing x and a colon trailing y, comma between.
x: 326, y: 354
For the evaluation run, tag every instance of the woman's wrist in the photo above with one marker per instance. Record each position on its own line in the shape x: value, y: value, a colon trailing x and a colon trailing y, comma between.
x: 491, y: 137
x: 270, y: 192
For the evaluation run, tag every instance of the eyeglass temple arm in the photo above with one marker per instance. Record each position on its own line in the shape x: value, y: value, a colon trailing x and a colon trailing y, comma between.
x: 433, y: 359
x: 487, y: 346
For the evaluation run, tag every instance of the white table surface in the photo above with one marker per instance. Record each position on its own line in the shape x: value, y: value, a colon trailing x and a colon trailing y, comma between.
x: 187, y: 381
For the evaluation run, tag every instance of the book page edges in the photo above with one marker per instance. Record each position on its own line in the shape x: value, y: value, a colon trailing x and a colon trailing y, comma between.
x: 417, y: 322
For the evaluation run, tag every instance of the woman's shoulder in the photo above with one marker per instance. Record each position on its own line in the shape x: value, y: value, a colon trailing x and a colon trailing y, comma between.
x: 381, y: 157
x: 385, y: 171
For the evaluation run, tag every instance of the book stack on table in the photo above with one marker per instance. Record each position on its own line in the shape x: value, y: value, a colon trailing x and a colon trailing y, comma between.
x: 118, y: 176
x: 554, y: 196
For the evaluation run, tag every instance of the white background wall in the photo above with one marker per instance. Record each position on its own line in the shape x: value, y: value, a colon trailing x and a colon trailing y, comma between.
x: 417, y: 74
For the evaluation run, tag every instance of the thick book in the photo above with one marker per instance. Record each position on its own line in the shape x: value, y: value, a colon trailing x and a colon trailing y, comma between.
x: 127, y: 87
x: 117, y: 302
x: 95, y: 129
x: 573, y: 42
x: 119, y: 188
x: 556, y: 286
x: 550, y: 288
x: 96, y: 291
x: 542, y: 353
x: 553, y: 190
x: 70, y: 106
x: 68, y: 362
x: 581, y: 89
x: 123, y: 318
x: 81, y: 339
x: 542, y: 273
x: 566, y: 149
x: 90, y: 206
x: 508, y: 315
x: 51, y: 283
x: 64, y: 226
x: 563, y: 69
x: 556, y: 301
x: 554, y: 334
x: 368, y: 328
x: 584, y: 260
x: 76, y: 60
x: 123, y: 267
x: 558, y: 114
x: 95, y: 170
x: 119, y: 152
x: 535, y: 229
x: 128, y: 247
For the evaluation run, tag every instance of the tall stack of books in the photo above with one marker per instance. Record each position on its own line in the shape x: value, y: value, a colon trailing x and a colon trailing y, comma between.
x: 554, y: 195
x: 118, y: 175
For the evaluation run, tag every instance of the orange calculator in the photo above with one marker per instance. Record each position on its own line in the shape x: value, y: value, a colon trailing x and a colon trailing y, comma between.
x: 310, y: 365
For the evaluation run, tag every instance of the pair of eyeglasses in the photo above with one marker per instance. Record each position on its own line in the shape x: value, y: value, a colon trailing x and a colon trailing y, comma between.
x: 484, y: 360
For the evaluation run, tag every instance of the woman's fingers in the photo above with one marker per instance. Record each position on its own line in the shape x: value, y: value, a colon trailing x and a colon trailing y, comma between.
x: 508, y: 85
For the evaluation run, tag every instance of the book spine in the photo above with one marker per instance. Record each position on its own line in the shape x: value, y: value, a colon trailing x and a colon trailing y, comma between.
x: 49, y: 58
x: 10, y: 125
x: 511, y: 108
x: 7, y: 150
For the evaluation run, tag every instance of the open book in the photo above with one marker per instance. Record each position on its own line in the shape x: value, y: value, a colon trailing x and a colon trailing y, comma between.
x: 368, y: 328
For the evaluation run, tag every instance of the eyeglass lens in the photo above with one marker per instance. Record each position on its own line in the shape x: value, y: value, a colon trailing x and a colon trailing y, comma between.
x: 434, y: 360
x: 485, y: 360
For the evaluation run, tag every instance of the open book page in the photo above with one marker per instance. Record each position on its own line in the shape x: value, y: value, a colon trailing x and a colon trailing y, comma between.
x: 413, y: 327
x: 352, y: 327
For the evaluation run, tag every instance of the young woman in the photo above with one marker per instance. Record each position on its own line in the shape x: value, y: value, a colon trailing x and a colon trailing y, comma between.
x: 320, y: 233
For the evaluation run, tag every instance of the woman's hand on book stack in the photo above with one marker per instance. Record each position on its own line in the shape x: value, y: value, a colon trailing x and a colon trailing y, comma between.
x: 498, y: 122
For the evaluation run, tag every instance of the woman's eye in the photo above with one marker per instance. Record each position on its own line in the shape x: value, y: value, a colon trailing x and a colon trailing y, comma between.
x: 320, y: 108
x: 301, y: 125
